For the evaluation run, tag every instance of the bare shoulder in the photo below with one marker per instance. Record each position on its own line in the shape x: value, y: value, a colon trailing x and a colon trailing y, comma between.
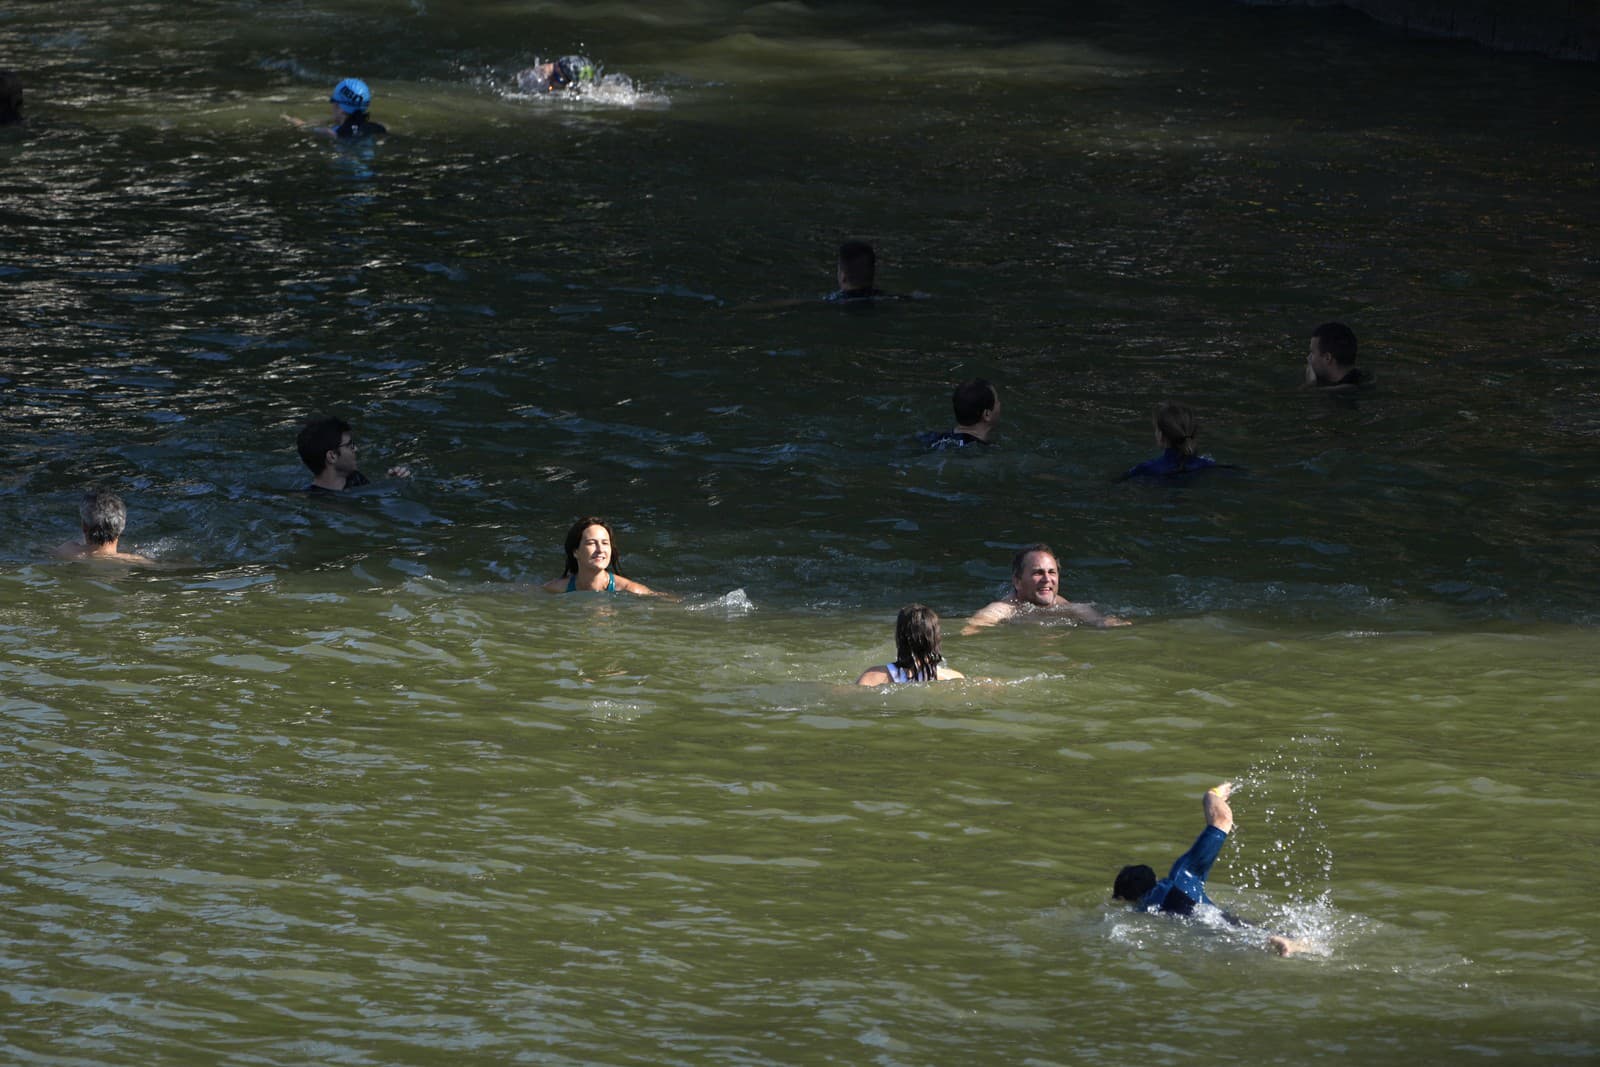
x: 628, y: 585
x: 990, y: 614
x: 555, y: 585
x: 947, y: 673
x: 874, y: 676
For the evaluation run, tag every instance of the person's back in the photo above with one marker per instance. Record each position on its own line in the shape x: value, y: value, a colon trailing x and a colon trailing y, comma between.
x: 858, y: 265
x: 103, y: 517
x: 1176, y: 430
x: 977, y: 410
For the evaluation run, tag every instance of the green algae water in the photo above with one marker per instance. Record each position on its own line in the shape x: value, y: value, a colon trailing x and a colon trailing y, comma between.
x: 336, y: 784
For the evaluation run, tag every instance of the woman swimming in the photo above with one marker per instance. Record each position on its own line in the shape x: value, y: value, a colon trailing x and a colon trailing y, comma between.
x: 1176, y: 428
x: 917, y: 656
x: 590, y: 563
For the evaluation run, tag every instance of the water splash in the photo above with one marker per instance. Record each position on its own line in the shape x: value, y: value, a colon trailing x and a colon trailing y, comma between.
x: 731, y: 604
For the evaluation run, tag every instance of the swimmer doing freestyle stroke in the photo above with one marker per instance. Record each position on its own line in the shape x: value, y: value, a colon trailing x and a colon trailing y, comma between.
x: 1184, y: 888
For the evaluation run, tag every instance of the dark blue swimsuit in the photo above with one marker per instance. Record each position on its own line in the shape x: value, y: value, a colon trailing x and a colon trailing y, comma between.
x: 1170, y: 462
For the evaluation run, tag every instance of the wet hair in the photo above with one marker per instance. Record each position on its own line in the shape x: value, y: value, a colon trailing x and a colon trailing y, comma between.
x: 1178, y: 426
x: 916, y: 642
x: 1133, y: 882
x: 104, y: 516
x: 10, y: 97
x: 858, y: 263
x: 319, y: 437
x: 1338, y: 341
x: 971, y: 400
x: 575, y: 535
x: 1024, y: 553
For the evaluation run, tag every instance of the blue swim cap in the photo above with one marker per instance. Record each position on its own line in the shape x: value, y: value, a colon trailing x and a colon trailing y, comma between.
x: 352, y: 94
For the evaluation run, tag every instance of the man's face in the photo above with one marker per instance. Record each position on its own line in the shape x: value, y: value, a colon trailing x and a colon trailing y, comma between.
x: 1040, y: 580
x: 343, y: 459
x: 1320, y: 363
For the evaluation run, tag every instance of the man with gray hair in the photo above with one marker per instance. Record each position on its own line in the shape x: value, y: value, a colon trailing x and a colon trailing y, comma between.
x: 104, y: 516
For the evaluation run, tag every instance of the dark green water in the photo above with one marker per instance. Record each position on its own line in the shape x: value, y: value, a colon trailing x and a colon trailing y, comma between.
x: 336, y: 784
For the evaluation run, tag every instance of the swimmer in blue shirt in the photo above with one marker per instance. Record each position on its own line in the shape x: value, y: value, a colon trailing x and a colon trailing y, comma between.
x: 591, y: 561
x: 351, y: 100
x: 1184, y: 887
x: 1176, y: 428
x: 917, y: 655
x: 977, y: 407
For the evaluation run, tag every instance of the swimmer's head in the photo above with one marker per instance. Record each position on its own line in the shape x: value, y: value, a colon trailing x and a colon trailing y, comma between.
x: 858, y: 265
x: 972, y: 400
x: 352, y: 94
x: 1177, y: 426
x: 104, y: 517
x: 916, y: 641
x: 1133, y: 882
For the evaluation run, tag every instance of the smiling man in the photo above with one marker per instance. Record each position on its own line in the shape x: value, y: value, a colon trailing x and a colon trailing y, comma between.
x: 1036, y: 589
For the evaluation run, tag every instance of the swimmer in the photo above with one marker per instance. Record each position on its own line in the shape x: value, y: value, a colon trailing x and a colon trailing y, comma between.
x: 1176, y: 427
x: 917, y: 656
x: 977, y: 408
x: 591, y: 562
x: 1036, y: 588
x: 328, y: 449
x: 559, y: 75
x: 103, y: 516
x: 10, y: 98
x: 858, y: 266
x: 1184, y: 887
x: 1331, y: 363
x: 350, y: 99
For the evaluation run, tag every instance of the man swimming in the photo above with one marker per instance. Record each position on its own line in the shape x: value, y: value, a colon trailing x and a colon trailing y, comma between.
x: 977, y: 408
x: 558, y: 75
x: 1036, y: 587
x: 103, y: 516
x: 328, y: 449
x: 1184, y: 887
x: 351, y: 100
x: 1331, y: 361
x: 858, y: 268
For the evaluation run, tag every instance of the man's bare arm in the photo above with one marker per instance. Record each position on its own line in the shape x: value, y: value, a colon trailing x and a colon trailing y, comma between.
x: 989, y: 615
x: 1087, y: 614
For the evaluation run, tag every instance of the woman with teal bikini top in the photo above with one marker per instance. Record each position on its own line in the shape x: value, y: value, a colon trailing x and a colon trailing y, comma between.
x: 590, y: 559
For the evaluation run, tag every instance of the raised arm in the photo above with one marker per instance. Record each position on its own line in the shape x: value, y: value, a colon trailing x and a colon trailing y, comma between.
x: 1215, y: 804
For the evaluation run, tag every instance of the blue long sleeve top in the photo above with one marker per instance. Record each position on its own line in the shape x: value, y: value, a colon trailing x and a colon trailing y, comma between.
x: 1170, y: 462
x: 1185, y: 885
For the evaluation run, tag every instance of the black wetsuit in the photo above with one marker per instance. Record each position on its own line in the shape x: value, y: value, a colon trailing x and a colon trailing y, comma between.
x: 357, y: 125
x: 355, y: 481
x: 941, y: 439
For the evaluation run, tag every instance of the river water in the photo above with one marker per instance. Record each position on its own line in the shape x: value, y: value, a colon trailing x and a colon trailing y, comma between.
x: 336, y: 784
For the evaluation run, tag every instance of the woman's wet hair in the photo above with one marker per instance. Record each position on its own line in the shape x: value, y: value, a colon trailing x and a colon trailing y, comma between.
x: 575, y: 535
x: 859, y: 264
x: 1133, y: 882
x: 916, y: 642
x: 1178, y: 427
x: 104, y: 517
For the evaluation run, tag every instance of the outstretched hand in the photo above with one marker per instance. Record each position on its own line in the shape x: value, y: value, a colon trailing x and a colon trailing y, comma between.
x: 1215, y: 803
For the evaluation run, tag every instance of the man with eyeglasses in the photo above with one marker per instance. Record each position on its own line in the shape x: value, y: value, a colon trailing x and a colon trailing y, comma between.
x: 329, y: 450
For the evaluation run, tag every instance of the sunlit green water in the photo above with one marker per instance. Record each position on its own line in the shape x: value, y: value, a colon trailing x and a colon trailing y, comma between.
x: 338, y: 785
